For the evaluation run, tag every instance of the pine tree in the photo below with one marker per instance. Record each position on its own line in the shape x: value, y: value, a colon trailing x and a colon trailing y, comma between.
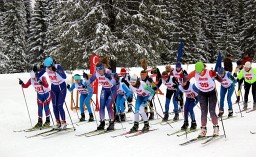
x: 14, y: 35
x: 38, y: 29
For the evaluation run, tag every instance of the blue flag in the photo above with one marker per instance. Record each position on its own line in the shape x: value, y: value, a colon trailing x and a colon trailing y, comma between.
x: 218, y: 63
x: 180, y: 51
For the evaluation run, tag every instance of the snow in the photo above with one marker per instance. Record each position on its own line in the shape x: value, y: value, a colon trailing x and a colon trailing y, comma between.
x: 13, y: 116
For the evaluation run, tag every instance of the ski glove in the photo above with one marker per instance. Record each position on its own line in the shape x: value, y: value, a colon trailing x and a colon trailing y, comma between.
x: 129, y: 99
x: 68, y: 86
x: 234, y: 75
x: 108, y: 76
x: 177, y: 98
x: 84, y: 86
x: 21, y: 82
x: 154, y: 88
x: 35, y: 68
x: 40, y: 82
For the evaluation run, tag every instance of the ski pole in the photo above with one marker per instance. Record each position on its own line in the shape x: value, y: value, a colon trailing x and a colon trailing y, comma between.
x: 65, y: 104
x: 239, y: 106
x: 220, y: 116
x: 94, y: 111
x: 160, y: 103
x: 155, y: 109
x: 162, y: 117
x: 26, y: 106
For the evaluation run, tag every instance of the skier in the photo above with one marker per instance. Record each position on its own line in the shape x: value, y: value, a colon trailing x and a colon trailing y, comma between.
x: 178, y: 72
x: 108, y: 94
x: 144, y: 95
x: 149, y: 81
x: 172, y: 85
x: 249, y: 75
x: 43, y: 97
x: 191, y: 93
x: 123, y: 93
x: 86, y: 92
x: 227, y: 85
x: 126, y: 79
x: 207, y: 96
x: 57, y: 78
x: 228, y: 66
x: 246, y: 58
x: 240, y: 82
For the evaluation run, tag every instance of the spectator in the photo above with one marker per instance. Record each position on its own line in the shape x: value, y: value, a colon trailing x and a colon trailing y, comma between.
x: 246, y: 58
x: 228, y: 63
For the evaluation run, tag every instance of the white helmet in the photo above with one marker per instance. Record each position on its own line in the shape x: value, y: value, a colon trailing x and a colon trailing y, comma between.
x: 248, y: 65
x: 133, y: 78
x: 32, y: 74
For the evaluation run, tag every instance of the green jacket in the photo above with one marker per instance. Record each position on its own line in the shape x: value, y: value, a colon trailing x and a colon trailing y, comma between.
x: 249, y: 77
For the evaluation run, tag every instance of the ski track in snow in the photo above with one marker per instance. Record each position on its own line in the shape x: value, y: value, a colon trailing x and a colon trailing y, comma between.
x: 13, y: 116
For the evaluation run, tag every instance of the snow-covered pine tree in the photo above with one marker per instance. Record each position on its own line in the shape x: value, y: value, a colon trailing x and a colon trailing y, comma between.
x: 38, y: 29
x: 248, y: 34
x: 14, y: 35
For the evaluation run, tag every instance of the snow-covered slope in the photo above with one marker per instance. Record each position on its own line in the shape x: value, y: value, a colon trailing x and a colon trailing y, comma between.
x: 13, y: 116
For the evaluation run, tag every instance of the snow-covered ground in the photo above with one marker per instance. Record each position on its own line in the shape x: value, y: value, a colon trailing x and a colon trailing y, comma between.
x: 13, y: 116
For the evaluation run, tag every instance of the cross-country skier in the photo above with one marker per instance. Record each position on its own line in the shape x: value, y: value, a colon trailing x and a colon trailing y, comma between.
x: 240, y: 82
x: 249, y: 75
x: 178, y: 72
x: 172, y: 84
x: 57, y: 78
x: 108, y: 94
x: 227, y: 86
x: 207, y: 96
x: 144, y: 94
x: 86, y: 93
x: 123, y: 94
x: 43, y: 97
x: 191, y: 93
x: 126, y: 79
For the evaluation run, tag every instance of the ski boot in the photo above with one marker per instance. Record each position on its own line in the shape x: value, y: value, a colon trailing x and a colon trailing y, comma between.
x: 166, y: 116
x: 110, y: 126
x: 135, y: 127
x: 151, y: 117
x: 193, y: 125
x: 101, y: 126
x: 91, y: 119
x: 47, y: 122
x: 117, y: 118
x: 176, y: 117
x: 215, y: 130
x: 245, y: 106
x: 39, y: 123
x: 184, y: 126
x: 63, y: 125
x: 221, y: 113
x: 230, y: 113
x: 203, y: 132
x: 58, y: 125
x: 123, y: 117
x: 146, y: 127
x: 82, y: 119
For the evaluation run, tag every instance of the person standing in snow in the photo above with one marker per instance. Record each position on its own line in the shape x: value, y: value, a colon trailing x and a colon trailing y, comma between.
x: 228, y: 66
x: 227, y: 86
x: 123, y: 94
x: 43, y: 97
x: 86, y: 93
x: 172, y: 84
x: 108, y: 93
x: 207, y: 96
x: 125, y: 78
x: 57, y: 78
x: 246, y: 58
x: 249, y: 75
x: 178, y: 72
x: 240, y: 82
x: 144, y: 95
x: 191, y: 93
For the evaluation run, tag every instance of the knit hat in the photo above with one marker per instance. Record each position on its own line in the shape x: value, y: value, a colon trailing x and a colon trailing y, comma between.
x: 123, y: 70
x: 199, y: 67
x: 248, y: 65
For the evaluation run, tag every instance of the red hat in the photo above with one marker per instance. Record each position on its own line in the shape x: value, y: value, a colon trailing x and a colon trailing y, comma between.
x: 122, y: 70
